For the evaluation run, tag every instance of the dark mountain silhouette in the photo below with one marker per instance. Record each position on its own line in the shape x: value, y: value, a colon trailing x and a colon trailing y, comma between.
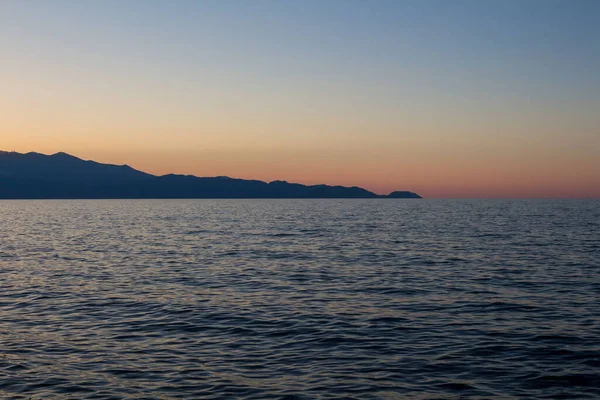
x: 403, y: 195
x: 63, y: 176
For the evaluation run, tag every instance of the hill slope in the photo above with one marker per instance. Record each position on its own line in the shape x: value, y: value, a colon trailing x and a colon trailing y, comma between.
x: 63, y: 176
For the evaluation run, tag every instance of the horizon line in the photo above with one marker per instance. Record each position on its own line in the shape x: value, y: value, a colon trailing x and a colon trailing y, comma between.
x: 551, y: 197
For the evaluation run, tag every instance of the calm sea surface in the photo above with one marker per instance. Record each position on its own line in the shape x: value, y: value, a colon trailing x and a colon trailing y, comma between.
x: 300, y: 299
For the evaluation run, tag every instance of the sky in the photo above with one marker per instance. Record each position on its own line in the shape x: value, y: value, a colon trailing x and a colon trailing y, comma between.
x: 446, y: 98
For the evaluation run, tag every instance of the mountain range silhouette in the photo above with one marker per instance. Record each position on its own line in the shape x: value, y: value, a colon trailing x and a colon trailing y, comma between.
x: 63, y: 176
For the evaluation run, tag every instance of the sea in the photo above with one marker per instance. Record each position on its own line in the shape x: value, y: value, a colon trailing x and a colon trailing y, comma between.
x: 300, y: 299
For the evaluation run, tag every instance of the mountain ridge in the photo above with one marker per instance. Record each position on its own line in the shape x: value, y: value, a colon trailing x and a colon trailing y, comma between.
x: 64, y: 176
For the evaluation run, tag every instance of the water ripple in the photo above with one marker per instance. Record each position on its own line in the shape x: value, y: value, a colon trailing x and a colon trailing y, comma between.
x: 298, y: 299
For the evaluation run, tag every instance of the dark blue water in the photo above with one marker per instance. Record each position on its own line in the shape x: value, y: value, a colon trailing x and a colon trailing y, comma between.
x: 294, y: 299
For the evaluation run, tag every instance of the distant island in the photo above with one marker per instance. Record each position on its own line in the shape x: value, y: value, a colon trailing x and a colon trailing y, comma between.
x: 63, y: 176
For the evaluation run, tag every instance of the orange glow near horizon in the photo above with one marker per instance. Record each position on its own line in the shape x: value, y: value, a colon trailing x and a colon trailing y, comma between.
x: 444, y: 180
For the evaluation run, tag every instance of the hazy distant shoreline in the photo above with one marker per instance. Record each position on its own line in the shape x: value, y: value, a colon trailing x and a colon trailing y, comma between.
x: 63, y: 176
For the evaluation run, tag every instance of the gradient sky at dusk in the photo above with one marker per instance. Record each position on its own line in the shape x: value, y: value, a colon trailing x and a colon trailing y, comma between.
x: 444, y: 98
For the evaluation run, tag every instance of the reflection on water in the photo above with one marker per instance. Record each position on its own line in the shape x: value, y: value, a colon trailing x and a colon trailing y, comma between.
x: 299, y: 299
